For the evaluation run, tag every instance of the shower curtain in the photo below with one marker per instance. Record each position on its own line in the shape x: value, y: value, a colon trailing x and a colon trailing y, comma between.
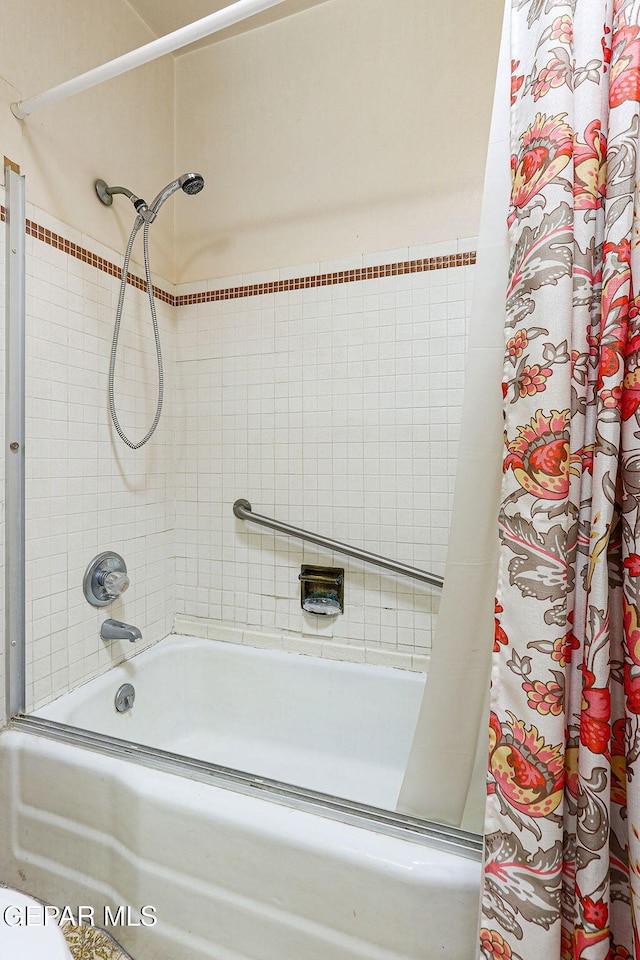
x: 446, y: 745
x: 562, y: 868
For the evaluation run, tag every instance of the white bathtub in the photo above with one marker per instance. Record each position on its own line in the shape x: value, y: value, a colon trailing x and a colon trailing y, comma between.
x: 235, y: 877
x: 339, y: 728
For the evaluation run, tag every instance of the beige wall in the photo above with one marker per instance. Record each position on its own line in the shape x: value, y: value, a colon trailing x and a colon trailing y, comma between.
x: 355, y: 126
x: 121, y: 131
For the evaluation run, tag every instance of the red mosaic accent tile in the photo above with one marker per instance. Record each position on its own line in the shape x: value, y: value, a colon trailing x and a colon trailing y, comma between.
x: 41, y: 233
x: 328, y: 279
x: 250, y: 290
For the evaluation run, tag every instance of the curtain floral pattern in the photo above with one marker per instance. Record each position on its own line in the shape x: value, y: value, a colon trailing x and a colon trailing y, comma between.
x: 562, y: 870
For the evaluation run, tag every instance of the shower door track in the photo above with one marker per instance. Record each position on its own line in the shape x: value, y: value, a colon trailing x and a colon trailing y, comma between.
x: 426, y: 832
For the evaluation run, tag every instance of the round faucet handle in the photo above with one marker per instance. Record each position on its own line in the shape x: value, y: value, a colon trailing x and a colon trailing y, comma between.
x: 116, y: 583
x: 105, y: 579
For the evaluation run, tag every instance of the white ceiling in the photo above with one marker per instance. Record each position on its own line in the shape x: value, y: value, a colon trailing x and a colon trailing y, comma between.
x: 164, y: 16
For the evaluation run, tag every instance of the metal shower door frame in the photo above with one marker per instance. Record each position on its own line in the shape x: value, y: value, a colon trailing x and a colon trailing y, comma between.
x: 14, y: 515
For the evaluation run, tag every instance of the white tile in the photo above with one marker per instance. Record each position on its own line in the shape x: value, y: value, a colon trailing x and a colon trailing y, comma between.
x: 424, y: 251
x: 382, y: 257
x: 335, y: 408
x: 295, y: 271
x: 467, y: 244
x: 186, y: 289
x: 340, y: 264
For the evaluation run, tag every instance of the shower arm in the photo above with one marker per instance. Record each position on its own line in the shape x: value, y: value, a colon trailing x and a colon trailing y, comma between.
x: 235, y: 13
x: 106, y: 195
x: 124, y: 191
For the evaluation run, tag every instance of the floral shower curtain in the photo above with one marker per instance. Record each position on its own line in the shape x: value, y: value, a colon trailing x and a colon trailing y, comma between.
x: 562, y: 870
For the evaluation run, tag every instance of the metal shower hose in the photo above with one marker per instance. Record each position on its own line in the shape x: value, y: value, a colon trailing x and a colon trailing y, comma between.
x: 116, y: 332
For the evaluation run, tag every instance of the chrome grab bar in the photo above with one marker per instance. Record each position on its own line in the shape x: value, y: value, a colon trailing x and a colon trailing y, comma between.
x: 242, y: 509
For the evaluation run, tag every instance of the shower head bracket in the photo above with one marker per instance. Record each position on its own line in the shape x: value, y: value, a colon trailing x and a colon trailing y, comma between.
x: 102, y: 189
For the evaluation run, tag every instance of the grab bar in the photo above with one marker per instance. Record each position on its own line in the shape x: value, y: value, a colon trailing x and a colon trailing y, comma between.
x: 242, y: 509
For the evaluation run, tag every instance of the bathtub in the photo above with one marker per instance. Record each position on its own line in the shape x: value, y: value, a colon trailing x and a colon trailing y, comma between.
x: 233, y: 876
x: 340, y: 728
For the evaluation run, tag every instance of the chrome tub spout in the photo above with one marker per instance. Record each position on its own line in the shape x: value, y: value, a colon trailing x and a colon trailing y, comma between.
x: 117, y: 630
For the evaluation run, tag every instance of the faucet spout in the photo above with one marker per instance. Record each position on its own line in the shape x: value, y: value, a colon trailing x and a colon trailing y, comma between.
x: 117, y: 630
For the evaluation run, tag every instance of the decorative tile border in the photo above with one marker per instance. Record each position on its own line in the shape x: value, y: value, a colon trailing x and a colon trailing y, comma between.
x: 81, y: 253
x: 328, y: 279
x: 253, y: 289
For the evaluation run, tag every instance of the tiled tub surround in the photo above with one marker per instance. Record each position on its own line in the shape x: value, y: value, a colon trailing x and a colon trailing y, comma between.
x: 85, y: 493
x: 328, y: 394
x: 333, y: 406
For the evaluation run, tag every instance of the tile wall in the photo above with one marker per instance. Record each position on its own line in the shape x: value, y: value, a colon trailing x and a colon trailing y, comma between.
x: 332, y: 404
x: 334, y: 407
x: 86, y: 493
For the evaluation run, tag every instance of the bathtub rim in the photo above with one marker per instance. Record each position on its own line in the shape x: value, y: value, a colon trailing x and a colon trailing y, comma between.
x: 413, y: 829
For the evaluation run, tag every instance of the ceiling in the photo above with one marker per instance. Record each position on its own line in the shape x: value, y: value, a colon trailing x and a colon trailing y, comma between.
x: 164, y: 16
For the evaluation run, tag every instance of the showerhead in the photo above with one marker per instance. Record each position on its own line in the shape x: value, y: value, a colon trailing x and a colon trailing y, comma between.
x: 192, y: 183
x: 189, y: 182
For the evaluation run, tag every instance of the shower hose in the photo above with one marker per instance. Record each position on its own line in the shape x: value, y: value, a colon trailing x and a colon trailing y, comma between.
x: 116, y: 333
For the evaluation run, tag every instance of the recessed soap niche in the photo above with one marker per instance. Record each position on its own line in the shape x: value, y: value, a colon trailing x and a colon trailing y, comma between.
x: 322, y: 590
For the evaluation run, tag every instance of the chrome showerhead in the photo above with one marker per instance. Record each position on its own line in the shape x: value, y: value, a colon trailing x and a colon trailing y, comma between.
x: 192, y: 183
x: 189, y: 182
